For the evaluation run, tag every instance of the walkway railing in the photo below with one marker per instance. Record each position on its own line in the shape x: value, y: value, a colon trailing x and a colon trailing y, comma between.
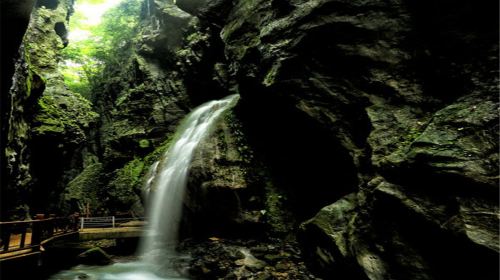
x: 30, y: 235
x: 22, y: 235
x: 106, y: 222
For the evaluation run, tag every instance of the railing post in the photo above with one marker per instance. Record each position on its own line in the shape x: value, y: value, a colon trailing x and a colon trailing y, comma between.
x: 5, y: 238
x: 113, y: 221
x: 23, y: 236
x: 36, y: 233
x: 81, y: 223
x: 50, y: 227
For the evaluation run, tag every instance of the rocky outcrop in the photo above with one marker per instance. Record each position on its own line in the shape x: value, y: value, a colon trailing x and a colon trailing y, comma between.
x: 229, y: 190
x: 387, y: 110
x: 46, y: 121
x: 217, y: 258
x: 14, y: 19
x: 62, y: 119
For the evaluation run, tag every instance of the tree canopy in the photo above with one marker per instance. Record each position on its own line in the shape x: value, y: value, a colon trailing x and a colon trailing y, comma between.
x: 96, y: 47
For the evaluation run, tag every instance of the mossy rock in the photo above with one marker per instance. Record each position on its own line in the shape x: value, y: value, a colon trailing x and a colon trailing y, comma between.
x: 125, y: 186
x: 461, y: 141
x: 87, y: 188
x: 64, y: 114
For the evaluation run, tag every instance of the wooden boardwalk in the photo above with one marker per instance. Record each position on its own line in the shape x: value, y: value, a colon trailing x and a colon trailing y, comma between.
x: 21, y: 239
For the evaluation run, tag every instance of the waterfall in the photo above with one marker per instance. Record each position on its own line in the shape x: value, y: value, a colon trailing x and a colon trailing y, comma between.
x: 168, y: 179
x: 165, y: 185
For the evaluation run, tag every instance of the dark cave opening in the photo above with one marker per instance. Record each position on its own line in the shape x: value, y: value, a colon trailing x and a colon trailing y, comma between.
x: 305, y: 161
x: 62, y: 32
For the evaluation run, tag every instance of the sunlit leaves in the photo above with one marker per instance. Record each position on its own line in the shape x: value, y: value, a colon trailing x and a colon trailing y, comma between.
x: 94, y: 1
x: 101, y: 46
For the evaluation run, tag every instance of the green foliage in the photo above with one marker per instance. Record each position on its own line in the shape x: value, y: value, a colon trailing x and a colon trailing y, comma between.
x: 126, y: 185
x: 95, y: 1
x: 117, y: 32
x: 128, y: 180
x: 86, y: 188
x: 105, y: 47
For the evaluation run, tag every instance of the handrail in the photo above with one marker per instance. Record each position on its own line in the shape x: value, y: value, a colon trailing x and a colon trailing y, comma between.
x: 14, y: 234
x: 31, y: 234
x: 104, y: 222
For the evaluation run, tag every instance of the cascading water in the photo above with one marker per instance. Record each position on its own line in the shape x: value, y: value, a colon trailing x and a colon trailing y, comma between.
x: 165, y: 185
x: 168, y: 180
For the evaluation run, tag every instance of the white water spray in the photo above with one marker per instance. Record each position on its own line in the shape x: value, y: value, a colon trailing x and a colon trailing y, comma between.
x: 165, y: 184
x: 168, y: 180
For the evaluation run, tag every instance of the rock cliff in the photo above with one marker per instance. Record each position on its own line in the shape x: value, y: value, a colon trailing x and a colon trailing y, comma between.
x: 45, y: 123
x: 367, y: 130
x: 382, y: 116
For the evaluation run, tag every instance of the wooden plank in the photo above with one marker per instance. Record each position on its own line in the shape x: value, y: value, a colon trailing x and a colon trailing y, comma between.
x: 59, y: 236
x: 18, y: 254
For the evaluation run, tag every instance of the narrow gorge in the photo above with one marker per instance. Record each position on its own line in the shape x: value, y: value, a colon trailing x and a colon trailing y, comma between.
x: 299, y: 139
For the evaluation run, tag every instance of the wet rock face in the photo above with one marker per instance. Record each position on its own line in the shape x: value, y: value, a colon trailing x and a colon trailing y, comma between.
x: 229, y: 190
x: 460, y: 141
x: 220, y: 187
x: 14, y: 19
x: 361, y: 70
x: 400, y: 101
x: 45, y: 120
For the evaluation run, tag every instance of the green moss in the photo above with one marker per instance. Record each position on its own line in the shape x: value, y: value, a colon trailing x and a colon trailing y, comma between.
x: 158, y: 152
x: 127, y: 182
x: 50, y: 117
x: 29, y: 79
x: 128, y: 94
x: 144, y: 143
x: 244, y: 154
x: 276, y: 215
x: 123, y: 189
x: 33, y: 80
x: 64, y: 113
x: 86, y: 188
x: 412, y: 134
x: 271, y: 74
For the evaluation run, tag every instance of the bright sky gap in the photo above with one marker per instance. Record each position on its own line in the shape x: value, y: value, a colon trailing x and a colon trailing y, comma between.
x: 89, y: 14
